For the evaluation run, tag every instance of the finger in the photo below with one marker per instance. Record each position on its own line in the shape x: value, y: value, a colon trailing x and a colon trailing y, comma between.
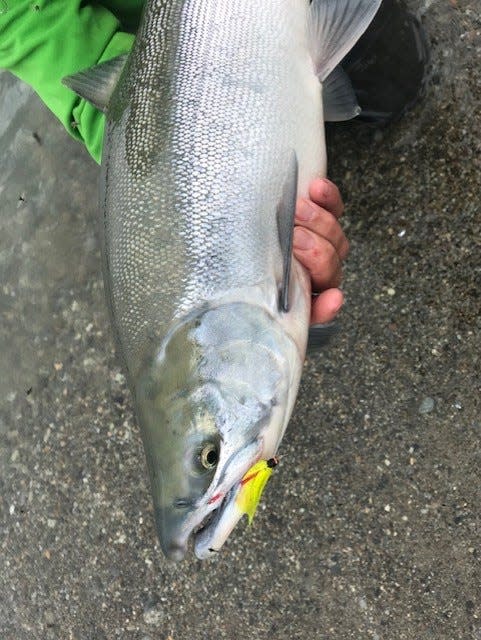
x: 319, y: 257
x: 326, y: 194
x: 326, y: 306
x: 322, y: 223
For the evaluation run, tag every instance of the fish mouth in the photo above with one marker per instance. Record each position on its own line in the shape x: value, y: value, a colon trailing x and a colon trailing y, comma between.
x: 213, y: 518
x: 209, y: 520
x: 212, y: 530
x: 216, y: 527
x: 242, y: 499
x: 203, y: 529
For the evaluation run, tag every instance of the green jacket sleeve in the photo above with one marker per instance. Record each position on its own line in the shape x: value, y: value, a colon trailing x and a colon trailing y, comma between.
x: 41, y: 42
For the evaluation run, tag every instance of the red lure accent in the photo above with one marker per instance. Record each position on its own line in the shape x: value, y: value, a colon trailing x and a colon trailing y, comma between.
x: 249, y: 478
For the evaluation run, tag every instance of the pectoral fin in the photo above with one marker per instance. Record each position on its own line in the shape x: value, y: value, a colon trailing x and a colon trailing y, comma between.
x: 97, y: 83
x: 338, y: 97
x: 286, y: 212
x: 335, y: 26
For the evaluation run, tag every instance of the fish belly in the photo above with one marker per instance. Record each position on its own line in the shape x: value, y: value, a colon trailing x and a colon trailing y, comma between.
x: 215, y: 98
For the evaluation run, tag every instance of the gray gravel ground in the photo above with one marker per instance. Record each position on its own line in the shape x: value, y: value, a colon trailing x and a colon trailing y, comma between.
x: 371, y: 525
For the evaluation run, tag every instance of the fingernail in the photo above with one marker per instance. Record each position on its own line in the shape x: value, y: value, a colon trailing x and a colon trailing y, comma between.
x: 302, y: 239
x: 305, y: 211
x: 326, y: 189
x: 338, y: 307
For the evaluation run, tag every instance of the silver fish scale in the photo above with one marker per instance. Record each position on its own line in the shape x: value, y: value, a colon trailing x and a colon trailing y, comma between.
x: 213, y: 100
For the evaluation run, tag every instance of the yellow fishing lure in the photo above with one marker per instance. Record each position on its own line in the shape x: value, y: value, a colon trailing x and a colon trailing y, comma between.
x: 252, y: 486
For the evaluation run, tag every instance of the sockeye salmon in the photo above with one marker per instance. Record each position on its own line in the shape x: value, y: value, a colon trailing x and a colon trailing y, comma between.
x: 215, y: 126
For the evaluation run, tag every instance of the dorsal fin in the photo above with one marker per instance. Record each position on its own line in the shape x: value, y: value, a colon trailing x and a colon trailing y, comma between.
x: 335, y: 27
x: 97, y: 83
x: 286, y: 212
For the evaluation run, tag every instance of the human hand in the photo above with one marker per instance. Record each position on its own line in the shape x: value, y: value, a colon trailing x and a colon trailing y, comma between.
x: 320, y: 246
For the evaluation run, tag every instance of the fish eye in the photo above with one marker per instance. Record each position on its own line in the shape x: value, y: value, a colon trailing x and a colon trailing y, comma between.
x: 209, y: 456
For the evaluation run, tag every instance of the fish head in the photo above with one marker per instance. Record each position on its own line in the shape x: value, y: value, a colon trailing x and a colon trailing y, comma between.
x: 214, y: 401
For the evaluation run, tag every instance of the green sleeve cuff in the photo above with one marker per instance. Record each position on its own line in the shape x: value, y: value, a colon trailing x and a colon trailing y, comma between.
x: 42, y: 42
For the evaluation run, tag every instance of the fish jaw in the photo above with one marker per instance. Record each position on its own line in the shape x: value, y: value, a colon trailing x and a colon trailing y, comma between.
x: 175, y: 529
x: 242, y: 499
x: 209, y: 540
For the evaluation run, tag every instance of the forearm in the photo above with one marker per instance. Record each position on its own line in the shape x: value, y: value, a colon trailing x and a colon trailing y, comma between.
x: 42, y: 43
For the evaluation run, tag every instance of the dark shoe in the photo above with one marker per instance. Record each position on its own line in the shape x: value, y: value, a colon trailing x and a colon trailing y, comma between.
x: 389, y: 65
